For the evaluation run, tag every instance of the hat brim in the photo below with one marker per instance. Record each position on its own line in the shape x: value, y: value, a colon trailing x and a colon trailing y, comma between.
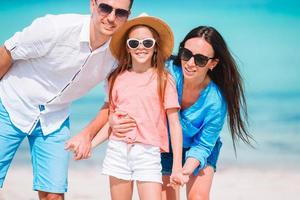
x: 163, y: 29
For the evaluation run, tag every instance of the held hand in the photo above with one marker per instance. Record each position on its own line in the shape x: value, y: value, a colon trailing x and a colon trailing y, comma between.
x: 178, y: 179
x: 186, y: 172
x: 80, y: 145
x: 120, y: 123
x: 175, y: 181
x: 185, y: 178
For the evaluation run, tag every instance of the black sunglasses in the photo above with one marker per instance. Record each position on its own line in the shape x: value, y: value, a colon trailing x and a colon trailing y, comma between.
x: 199, y: 59
x: 148, y: 43
x: 106, y: 9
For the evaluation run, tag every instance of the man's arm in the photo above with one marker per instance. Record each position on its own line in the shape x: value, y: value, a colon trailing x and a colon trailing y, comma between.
x: 5, y: 61
x: 81, y: 143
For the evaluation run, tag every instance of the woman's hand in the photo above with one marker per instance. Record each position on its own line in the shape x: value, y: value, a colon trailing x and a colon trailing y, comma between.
x: 120, y: 123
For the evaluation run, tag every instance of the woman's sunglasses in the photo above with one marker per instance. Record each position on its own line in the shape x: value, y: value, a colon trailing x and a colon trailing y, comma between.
x: 147, y: 43
x: 199, y: 59
x: 106, y: 9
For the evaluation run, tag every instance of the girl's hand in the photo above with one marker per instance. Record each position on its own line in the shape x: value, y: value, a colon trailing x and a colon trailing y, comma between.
x: 120, y: 123
x: 178, y: 179
x: 80, y: 145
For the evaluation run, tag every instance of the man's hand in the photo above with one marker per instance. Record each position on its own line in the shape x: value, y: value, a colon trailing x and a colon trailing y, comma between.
x: 120, y: 123
x: 80, y: 145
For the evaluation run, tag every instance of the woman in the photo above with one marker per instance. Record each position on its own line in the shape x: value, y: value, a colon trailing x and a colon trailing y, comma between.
x: 209, y: 88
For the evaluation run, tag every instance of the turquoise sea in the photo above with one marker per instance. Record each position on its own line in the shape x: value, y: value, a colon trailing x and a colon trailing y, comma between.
x: 262, y: 34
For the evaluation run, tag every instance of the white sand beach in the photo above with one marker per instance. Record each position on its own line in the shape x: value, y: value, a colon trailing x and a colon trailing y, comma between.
x: 262, y: 35
x: 234, y: 184
x: 263, y: 173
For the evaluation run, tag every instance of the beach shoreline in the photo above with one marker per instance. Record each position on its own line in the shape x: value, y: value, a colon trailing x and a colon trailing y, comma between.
x: 87, y: 183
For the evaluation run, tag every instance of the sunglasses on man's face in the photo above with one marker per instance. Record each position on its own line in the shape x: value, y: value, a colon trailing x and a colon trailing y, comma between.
x: 199, y: 59
x: 147, y: 43
x: 106, y: 9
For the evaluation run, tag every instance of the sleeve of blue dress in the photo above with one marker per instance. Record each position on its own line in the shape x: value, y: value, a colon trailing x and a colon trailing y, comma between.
x: 205, y: 140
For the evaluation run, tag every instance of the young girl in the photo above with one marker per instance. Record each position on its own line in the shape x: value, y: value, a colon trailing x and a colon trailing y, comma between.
x: 142, y: 87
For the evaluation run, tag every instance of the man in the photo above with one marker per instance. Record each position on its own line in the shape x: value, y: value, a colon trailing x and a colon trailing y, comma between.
x: 55, y: 60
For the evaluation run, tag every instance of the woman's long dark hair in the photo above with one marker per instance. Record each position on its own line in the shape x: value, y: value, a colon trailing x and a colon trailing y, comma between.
x: 228, y: 79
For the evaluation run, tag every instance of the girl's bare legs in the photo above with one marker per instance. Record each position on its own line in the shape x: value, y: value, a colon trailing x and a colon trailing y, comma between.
x: 149, y: 190
x: 168, y: 193
x: 120, y: 189
x: 198, y: 187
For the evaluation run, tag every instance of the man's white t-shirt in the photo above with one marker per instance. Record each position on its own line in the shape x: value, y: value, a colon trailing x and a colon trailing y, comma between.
x: 52, y: 66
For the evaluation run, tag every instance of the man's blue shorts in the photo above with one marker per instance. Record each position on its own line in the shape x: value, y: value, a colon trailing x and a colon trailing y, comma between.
x: 48, y: 156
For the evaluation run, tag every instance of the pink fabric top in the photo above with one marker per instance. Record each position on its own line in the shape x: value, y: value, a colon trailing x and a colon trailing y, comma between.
x: 137, y: 94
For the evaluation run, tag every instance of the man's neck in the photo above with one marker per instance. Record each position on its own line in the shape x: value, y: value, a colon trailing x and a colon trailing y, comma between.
x: 96, y: 39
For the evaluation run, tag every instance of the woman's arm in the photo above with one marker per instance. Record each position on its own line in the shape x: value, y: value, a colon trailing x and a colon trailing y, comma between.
x: 190, y: 165
x: 204, y: 141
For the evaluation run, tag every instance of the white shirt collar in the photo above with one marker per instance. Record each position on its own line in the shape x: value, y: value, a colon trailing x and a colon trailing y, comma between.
x: 85, y: 31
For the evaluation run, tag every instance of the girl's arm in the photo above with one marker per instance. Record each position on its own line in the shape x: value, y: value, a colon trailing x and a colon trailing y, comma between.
x: 80, y: 144
x: 176, y: 142
x: 101, y: 136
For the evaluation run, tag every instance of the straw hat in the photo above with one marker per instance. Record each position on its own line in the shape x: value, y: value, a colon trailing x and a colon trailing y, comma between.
x: 163, y: 29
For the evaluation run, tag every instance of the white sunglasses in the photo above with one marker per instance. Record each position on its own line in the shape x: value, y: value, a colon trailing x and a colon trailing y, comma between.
x: 134, y: 43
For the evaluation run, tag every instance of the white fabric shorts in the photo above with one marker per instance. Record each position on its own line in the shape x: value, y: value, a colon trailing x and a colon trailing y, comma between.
x: 138, y: 162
